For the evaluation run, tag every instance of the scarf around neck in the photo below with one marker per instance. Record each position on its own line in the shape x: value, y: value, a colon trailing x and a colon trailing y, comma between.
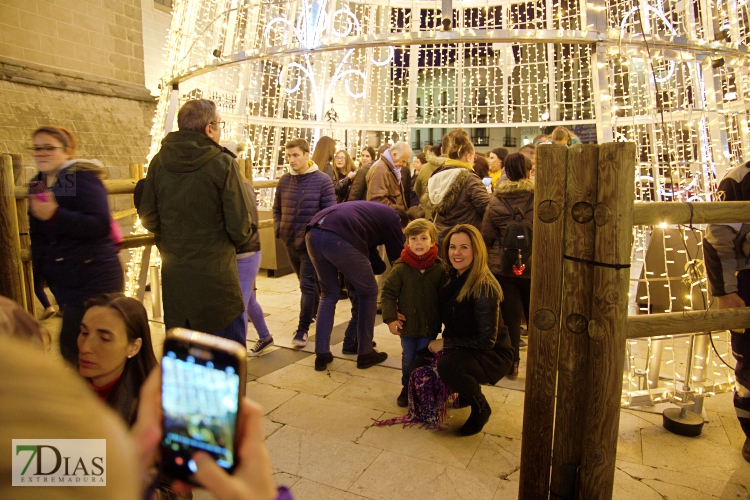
x: 458, y: 163
x: 419, y: 262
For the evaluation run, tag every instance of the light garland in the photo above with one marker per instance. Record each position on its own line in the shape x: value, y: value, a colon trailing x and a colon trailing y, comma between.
x: 656, y: 76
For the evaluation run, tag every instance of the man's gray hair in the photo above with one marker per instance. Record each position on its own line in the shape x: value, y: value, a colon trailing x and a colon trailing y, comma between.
x: 196, y: 114
x: 401, y: 148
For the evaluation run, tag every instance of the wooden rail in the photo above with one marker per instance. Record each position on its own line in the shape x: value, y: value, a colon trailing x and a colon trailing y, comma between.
x: 707, y: 212
x: 16, y: 274
x: 655, y: 325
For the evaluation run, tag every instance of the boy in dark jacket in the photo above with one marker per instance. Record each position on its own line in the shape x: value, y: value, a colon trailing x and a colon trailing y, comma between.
x: 412, y: 288
x: 301, y: 193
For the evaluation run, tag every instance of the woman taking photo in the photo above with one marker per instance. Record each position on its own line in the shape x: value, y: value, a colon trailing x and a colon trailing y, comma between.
x: 475, y: 346
x: 70, y: 230
x: 345, y: 173
x: 115, y: 354
x: 510, y: 199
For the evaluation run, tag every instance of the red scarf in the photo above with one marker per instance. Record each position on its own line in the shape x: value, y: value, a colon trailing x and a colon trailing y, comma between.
x: 419, y: 262
x: 104, y: 391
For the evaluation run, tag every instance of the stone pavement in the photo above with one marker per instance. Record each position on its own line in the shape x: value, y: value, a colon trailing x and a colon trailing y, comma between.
x: 322, y: 442
x: 323, y: 445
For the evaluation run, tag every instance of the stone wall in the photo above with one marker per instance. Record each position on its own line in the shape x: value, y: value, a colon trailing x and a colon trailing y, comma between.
x: 100, y: 38
x: 113, y: 130
x: 77, y: 64
x: 156, y: 23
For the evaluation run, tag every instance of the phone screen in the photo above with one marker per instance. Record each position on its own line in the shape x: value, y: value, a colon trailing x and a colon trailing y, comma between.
x: 200, y: 399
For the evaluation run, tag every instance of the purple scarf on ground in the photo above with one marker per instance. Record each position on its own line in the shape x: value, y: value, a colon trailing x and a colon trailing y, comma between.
x: 428, y: 399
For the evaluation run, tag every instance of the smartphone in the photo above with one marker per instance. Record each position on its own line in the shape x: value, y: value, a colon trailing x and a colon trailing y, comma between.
x: 203, y: 380
x: 38, y: 189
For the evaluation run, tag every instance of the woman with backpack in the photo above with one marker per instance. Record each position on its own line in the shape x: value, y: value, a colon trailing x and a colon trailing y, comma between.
x: 507, y: 231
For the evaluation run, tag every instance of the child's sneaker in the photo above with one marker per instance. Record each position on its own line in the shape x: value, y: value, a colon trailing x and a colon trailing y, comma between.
x: 300, y: 339
x: 259, y: 347
x: 403, y: 398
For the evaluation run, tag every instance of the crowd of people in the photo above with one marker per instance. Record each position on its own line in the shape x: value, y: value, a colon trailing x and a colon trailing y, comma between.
x: 420, y: 239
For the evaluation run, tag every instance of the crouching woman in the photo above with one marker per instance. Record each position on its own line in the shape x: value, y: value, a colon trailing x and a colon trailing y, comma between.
x: 475, y: 344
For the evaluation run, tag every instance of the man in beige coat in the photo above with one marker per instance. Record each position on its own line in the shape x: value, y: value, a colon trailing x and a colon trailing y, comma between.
x: 384, y: 186
x: 384, y: 177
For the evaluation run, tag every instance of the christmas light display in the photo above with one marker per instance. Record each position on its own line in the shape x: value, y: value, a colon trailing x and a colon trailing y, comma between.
x: 668, y: 75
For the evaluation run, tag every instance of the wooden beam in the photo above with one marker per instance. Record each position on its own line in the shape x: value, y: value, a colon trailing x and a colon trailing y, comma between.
x: 670, y: 212
x: 577, y: 290
x: 544, y: 323
x: 11, y: 270
x: 126, y: 186
x: 609, y: 313
x: 655, y: 325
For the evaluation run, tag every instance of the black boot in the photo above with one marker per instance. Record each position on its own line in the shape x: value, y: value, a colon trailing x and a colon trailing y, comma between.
x: 480, y: 414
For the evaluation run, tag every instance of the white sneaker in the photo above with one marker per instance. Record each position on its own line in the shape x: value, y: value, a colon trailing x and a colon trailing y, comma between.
x: 300, y: 339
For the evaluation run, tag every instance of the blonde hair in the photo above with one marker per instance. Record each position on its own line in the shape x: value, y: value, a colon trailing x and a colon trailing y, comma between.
x: 480, y: 280
x: 419, y: 226
x: 460, y: 144
x: 562, y: 135
x: 349, y: 165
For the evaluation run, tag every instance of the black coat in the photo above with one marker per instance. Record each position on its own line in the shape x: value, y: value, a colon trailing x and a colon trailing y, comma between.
x: 73, y: 250
x: 476, y: 324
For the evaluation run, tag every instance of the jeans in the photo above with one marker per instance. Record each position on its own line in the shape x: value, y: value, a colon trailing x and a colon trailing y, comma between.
x: 515, y: 305
x: 247, y: 268
x: 39, y: 289
x: 409, y: 348
x: 350, y: 335
x: 305, y: 271
x: 330, y: 253
x: 236, y: 330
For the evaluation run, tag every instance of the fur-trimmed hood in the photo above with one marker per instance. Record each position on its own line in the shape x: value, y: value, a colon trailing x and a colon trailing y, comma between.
x: 435, y: 160
x: 445, y: 187
x: 509, y: 189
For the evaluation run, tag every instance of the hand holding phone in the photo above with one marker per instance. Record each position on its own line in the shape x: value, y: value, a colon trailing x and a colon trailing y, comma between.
x: 252, y: 479
x: 42, y: 203
x: 38, y: 189
x: 203, y: 380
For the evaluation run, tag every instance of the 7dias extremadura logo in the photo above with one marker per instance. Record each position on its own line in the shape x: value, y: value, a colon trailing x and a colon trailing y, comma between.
x: 59, y: 462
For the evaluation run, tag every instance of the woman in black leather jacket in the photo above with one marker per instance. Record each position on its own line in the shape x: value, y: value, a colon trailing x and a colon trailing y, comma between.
x: 475, y: 343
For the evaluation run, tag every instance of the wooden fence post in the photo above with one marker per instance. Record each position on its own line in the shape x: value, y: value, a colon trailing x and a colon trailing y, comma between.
x: 607, y: 329
x: 544, y: 323
x: 577, y: 287
x: 11, y: 268
x: 22, y: 215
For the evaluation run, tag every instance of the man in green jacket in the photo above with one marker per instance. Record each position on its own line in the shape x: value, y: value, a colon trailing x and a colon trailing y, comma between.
x: 195, y: 203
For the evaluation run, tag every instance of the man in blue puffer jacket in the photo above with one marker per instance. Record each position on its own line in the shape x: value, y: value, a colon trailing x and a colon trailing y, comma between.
x: 301, y: 193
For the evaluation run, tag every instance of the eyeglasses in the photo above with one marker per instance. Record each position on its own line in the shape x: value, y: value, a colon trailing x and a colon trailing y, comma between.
x: 221, y: 124
x: 44, y: 149
x: 340, y: 157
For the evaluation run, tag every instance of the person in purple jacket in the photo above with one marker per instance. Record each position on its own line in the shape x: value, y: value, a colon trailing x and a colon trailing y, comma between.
x: 345, y: 238
x: 301, y: 194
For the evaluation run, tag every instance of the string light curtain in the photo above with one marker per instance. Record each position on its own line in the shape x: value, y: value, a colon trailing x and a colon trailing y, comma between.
x: 668, y: 75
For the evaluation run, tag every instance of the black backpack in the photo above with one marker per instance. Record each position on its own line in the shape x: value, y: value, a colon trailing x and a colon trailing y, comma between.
x: 515, y: 249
